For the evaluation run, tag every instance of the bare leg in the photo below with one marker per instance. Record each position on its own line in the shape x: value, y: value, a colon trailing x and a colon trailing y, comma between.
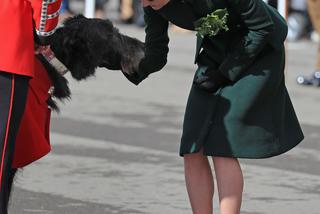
x: 199, y: 182
x: 230, y: 184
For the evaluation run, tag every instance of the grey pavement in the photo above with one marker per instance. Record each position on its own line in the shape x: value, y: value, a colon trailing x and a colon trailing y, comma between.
x: 115, y: 147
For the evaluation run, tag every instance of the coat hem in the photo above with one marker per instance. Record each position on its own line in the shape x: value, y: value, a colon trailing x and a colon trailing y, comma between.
x: 245, y: 156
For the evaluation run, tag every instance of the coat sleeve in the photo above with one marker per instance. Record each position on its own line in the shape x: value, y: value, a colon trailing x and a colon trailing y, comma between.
x: 156, y: 42
x: 256, y: 18
x: 179, y: 13
x: 46, y: 17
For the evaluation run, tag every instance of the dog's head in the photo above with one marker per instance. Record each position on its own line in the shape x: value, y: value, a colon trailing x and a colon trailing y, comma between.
x: 132, y: 52
x: 84, y: 44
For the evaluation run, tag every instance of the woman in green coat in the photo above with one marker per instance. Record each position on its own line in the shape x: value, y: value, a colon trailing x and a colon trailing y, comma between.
x: 238, y: 106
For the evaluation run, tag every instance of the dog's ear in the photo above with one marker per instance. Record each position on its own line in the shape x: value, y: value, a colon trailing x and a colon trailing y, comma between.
x: 72, y: 49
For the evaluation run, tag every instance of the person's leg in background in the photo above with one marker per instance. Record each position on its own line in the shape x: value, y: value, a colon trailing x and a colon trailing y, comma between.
x: 13, y: 94
x: 314, y: 13
x: 65, y: 11
x: 138, y: 13
x: 100, y: 10
x: 126, y: 11
x: 297, y: 20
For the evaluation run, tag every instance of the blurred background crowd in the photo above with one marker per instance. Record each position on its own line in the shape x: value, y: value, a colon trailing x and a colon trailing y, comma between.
x: 129, y: 11
x: 303, y: 21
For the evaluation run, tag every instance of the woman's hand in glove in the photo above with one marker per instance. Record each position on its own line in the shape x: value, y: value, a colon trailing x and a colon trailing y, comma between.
x: 136, y: 78
x: 147, y: 66
x: 211, y: 81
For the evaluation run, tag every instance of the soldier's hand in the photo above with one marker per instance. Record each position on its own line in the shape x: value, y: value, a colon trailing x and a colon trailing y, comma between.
x: 38, y: 49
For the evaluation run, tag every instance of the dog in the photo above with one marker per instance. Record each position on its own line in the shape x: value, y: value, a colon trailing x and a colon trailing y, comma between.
x: 84, y: 44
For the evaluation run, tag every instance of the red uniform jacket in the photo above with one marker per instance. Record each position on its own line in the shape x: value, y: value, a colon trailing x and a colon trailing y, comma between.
x: 17, y: 19
x: 16, y: 31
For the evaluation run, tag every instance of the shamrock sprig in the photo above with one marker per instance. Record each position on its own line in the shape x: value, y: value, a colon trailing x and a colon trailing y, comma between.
x: 212, y: 23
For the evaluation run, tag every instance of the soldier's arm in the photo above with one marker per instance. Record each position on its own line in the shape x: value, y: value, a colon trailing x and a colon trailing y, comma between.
x: 46, y: 17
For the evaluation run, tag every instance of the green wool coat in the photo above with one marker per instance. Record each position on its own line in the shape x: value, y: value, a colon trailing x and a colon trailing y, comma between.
x: 253, y: 116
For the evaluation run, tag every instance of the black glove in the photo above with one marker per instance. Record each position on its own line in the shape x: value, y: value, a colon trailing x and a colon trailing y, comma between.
x: 134, y: 71
x: 137, y: 77
x: 147, y: 66
x: 211, y: 80
x: 42, y: 40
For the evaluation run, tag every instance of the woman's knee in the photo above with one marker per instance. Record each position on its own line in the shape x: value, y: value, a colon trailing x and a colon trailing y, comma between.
x: 195, y: 159
x: 225, y: 161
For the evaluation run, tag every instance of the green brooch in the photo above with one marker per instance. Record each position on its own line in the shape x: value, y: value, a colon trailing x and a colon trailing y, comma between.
x: 212, y: 23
